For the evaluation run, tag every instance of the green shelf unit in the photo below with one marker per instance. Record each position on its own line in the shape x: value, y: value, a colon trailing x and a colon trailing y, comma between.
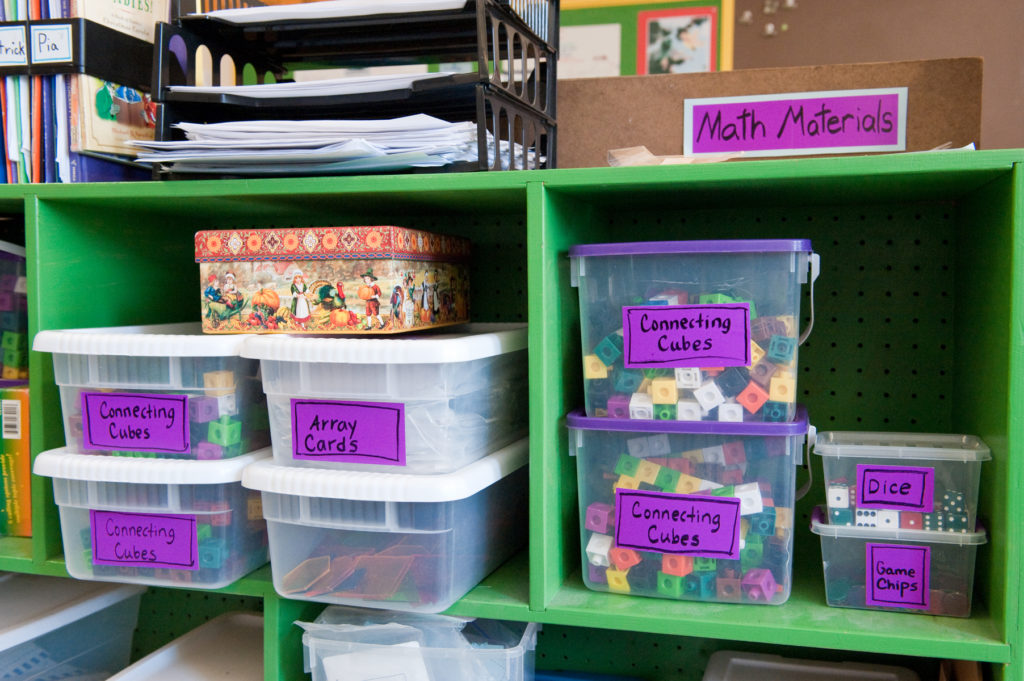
x: 916, y: 327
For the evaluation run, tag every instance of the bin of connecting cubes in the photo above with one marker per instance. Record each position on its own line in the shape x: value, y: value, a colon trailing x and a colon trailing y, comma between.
x: 688, y: 510
x: 164, y: 391
x: 913, y: 481
x: 426, y: 404
x: 168, y: 522
x: 692, y: 330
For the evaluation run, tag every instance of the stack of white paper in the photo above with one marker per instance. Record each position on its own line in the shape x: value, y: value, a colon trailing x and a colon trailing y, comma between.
x: 316, y: 147
x: 349, y: 85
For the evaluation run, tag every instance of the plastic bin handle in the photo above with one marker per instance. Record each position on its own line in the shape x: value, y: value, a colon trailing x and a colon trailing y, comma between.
x: 815, y: 262
x: 812, y: 437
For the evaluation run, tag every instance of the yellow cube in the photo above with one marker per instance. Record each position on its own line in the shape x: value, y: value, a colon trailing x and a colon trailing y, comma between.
x: 756, y: 354
x: 617, y: 581
x: 647, y: 471
x: 216, y: 383
x: 782, y: 388
x: 626, y: 482
x: 688, y: 484
x: 664, y: 391
x: 593, y: 367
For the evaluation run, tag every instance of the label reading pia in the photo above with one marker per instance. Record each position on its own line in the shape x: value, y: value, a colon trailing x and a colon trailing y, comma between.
x: 661, y: 336
x: 687, y: 524
x: 352, y: 432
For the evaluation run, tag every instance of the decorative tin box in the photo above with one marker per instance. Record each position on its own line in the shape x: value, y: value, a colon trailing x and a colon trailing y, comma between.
x: 331, y: 280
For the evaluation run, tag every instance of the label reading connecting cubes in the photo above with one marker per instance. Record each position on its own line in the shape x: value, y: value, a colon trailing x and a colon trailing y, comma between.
x: 146, y: 540
x: 693, y: 525
x: 897, y: 576
x: 713, y: 335
x: 352, y: 432
x: 903, y: 488
x: 135, y: 422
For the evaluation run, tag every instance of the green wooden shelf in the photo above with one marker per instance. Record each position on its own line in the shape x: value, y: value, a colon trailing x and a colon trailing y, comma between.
x: 917, y: 318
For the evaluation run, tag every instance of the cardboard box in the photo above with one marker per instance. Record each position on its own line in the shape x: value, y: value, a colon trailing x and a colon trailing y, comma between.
x: 599, y: 114
x: 331, y: 280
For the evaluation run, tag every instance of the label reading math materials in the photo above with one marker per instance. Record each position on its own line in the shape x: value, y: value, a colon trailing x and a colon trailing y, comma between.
x: 147, y: 540
x: 897, y: 576
x: 686, y: 524
x: 713, y: 335
x: 797, y: 123
x: 135, y: 422
x: 353, y: 432
x: 904, y: 488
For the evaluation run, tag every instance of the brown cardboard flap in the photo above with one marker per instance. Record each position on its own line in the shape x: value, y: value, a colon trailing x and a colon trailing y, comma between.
x: 598, y: 114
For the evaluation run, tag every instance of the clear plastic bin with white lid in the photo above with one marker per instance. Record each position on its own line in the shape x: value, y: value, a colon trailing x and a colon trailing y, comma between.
x: 729, y: 665
x: 913, y: 481
x: 57, y: 628
x: 164, y: 391
x: 392, y: 540
x: 229, y: 646
x: 365, y: 645
x: 692, y: 330
x: 425, y: 404
x: 156, y: 521
x: 927, y: 572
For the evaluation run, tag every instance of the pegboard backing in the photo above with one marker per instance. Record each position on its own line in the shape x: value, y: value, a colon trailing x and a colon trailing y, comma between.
x: 165, y: 614
x: 880, y: 355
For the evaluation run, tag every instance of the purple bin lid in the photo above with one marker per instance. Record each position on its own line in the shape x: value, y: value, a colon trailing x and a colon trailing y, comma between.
x: 578, y: 420
x: 684, y: 247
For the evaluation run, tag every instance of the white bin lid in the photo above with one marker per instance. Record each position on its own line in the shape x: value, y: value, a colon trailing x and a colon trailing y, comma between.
x: 947, y: 447
x: 267, y: 476
x: 60, y: 463
x: 227, y: 647
x: 469, y: 342
x: 726, y: 665
x: 821, y: 527
x: 157, y: 340
x: 34, y: 605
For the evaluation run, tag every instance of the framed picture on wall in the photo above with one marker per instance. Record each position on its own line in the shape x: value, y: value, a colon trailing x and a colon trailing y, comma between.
x: 679, y: 40
x: 644, y: 37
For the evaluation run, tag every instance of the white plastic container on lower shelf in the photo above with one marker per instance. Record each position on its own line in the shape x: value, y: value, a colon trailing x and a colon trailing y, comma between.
x: 726, y: 665
x: 229, y: 646
x: 163, y: 522
x: 58, y: 628
x: 391, y: 540
x: 427, y: 404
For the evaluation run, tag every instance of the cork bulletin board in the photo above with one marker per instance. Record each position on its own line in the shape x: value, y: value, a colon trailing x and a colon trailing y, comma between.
x: 598, y: 114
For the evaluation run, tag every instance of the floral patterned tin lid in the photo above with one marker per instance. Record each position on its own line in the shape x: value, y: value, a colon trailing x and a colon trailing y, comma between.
x: 328, y: 243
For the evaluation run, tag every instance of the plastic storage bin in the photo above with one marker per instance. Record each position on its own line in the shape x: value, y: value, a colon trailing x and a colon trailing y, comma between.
x: 392, y: 540
x: 926, y: 572
x: 691, y: 330
x: 163, y: 391
x: 914, y: 481
x: 340, y: 646
x: 58, y: 628
x: 691, y: 511
x: 156, y: 521
x: 229, y: 646
x: 428, y: 404
x: 727, y: 665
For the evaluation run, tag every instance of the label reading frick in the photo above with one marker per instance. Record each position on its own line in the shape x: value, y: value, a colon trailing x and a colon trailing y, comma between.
x: 897, y: 576
x: 135, y: 422
x: 688, y: 524
x: 147, y: 540
x: 353, y: 432
x: 712, y: 335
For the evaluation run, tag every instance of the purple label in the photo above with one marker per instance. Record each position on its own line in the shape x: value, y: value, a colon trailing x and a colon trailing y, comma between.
x: 354, y: 432
x: 135, y: 422
x: 854, y: 120
x: 904, y: 488
x: 897, y: 576
x: 714, y: 335
x: 147, y: 540
x: 687, y: 524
